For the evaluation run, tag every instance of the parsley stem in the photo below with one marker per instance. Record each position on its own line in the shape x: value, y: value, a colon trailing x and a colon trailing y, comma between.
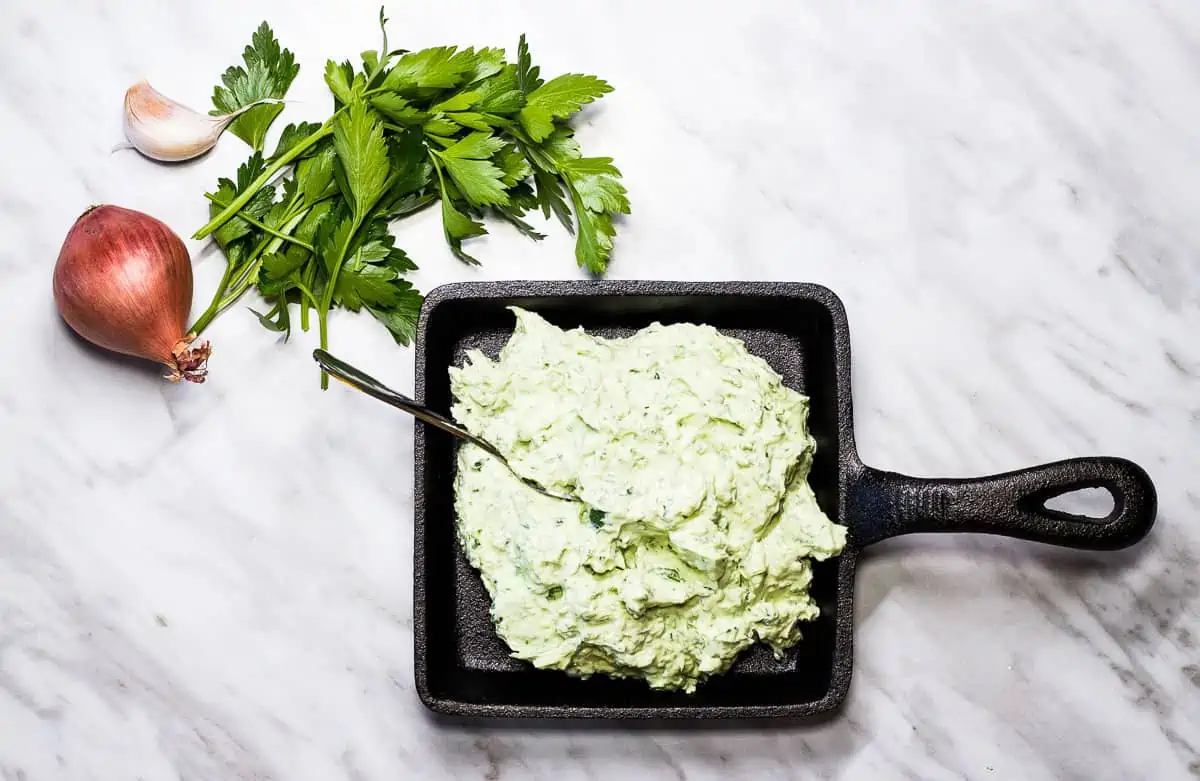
x: 323, y: 329
x: 249, y: 273
x: 327, y: 296
x: 213, y: 308
x: 310, y: 273
x: 264, y: 227
x: 222, y: 300
x: 361, y: 218
x: 308, y: 295
x: 234, y: 285
x: 246, y: 195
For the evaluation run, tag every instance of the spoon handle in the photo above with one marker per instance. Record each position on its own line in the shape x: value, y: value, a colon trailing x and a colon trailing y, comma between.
x: 356, y: 378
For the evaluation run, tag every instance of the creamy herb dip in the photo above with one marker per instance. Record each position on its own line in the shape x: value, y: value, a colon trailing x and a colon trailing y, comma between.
x: 699, y: 524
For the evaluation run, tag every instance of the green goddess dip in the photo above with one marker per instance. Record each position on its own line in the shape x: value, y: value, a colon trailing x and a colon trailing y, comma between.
x: 699, y: 526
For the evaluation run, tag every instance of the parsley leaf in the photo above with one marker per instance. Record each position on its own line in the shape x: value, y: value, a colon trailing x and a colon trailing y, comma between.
x: 361, y: 283
x: 257, y: 208
x: 477, y: 146
x: 593, y: 178
x: 291, y: 136
x: 370, y: 278
x: 410, y: 168
x: 551, y: 198
x: 595, y: 193
x: 500, y: 94
x: 315, y: 174
x: 278, y: 266
x: 343, y: 82
x: 460, y: 101
x: 521, y: 199
x: 594, y: 243
x: 378, y: 247
x: 408, y: 151
x: 281, y: 323
x: 398, y: 110
x: 559, y: 98
x: 333, y: 240
x: 527, y: 72
x: 560, y: 146
x: 456, y: 225
x: 514, y: 165
x: 401, y: 317
x: 441, y: 67
x: 488, y: 62
x: 479, y: 181
x: 268, y: 73
x: 472, y: 120
x: 597, y: 196
x: 363, y: 167
x: 441, y: 126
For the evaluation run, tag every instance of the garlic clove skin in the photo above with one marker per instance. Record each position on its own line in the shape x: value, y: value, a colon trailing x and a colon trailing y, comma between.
x: 165, y: 130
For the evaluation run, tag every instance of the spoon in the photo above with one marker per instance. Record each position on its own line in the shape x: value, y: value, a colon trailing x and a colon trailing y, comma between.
x: 355, y: 378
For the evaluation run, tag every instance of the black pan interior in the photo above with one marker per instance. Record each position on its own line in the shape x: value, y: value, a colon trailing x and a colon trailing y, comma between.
x: 465, y: 662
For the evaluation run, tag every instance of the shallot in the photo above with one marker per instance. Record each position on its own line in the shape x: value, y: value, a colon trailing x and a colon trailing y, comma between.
x: 123, y: 281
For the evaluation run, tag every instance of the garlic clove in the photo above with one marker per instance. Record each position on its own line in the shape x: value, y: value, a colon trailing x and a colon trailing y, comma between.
x: 163, y: 129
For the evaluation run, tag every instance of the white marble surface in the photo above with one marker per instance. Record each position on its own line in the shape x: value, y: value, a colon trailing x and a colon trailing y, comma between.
x: 214, y: 582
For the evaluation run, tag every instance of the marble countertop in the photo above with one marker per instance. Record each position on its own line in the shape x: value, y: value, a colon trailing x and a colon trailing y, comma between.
x: 214, y: 582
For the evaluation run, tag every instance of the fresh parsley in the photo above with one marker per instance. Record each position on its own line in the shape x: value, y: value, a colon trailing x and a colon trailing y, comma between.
x: 268, y: 73
x: 307, y: 225
x: 596, y: 517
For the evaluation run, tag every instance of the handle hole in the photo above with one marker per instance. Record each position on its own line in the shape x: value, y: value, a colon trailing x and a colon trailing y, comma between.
x: 1089, y: 504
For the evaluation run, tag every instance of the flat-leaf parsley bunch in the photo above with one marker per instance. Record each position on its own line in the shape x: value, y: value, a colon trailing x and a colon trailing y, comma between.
x: 307, y: 224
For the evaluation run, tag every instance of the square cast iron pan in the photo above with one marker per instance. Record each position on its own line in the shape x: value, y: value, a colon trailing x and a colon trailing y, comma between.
x: 463, y: 669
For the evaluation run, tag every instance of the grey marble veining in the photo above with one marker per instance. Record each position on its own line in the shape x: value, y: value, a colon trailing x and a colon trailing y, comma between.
x: 215, y: 582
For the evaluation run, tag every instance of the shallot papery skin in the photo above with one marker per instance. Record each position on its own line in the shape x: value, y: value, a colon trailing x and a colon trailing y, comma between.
x: 123, y: 281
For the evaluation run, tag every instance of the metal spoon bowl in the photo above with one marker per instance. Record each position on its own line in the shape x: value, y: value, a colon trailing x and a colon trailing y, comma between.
x: 355, y: 378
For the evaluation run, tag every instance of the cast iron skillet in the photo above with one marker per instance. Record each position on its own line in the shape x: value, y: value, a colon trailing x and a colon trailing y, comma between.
x: 463, y: 668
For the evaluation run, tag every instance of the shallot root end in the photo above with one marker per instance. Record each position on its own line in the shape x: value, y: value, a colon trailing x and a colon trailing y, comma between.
x: 189, y: 362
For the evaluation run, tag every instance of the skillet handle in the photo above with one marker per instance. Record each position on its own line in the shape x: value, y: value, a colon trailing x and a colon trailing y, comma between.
x: 885, y: 504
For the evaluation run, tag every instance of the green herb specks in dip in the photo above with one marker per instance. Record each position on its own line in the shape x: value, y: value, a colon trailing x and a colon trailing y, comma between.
x: 699, y: 526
